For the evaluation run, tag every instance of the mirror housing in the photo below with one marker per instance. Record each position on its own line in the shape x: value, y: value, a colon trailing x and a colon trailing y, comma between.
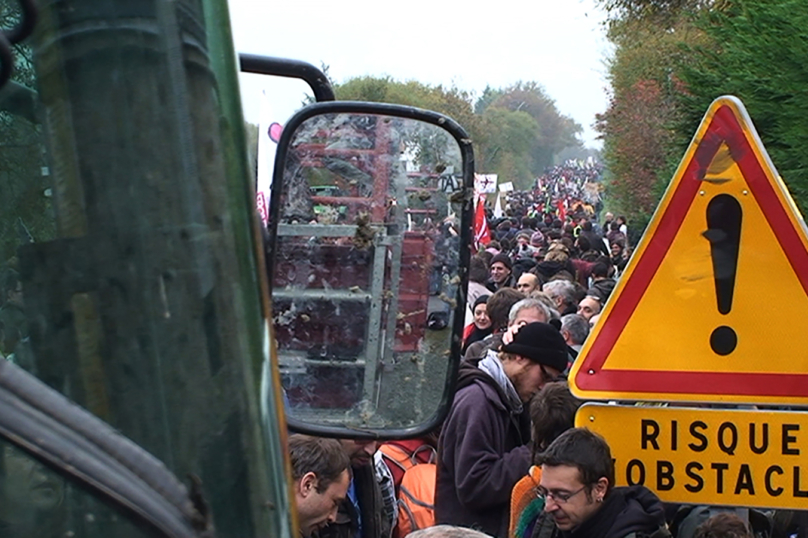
x: 369, y: 234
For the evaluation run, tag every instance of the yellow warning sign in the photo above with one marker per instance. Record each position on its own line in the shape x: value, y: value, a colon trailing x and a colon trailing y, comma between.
x: 702, y: 311
x: 707, y: 456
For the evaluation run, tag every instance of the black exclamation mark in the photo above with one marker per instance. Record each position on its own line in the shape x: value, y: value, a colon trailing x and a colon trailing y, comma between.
x: 724, y: 216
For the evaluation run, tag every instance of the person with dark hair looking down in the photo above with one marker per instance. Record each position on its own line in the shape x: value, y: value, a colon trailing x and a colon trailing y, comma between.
x: 321, y: 478
x: 484, y: 446
x: 602, y: 282
x: 363, y: 513
x: 577, y: 485
x: 552, y: 412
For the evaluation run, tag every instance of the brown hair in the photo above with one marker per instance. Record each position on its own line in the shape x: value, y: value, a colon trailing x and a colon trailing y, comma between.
x: 499, y: 306
x: 552, y: 412
x: 478, y: 270
x: 557, y: 255
x: 584, y: 450
x: 323, y: 457
x: 723, y: 525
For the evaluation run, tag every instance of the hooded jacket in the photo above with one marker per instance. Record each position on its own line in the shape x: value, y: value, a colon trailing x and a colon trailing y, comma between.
x: 602, y: 289
x: 548, y: 268
x: 628, y: 510
x: 482, y: 454
x: 479, y: 349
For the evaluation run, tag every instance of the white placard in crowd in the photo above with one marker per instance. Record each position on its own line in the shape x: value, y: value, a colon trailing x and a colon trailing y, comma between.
x: 485, y: 183
x: 506, y: 187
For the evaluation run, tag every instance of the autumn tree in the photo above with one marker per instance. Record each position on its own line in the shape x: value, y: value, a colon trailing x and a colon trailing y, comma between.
x: 641, y: 144
x: 674, y: 57
x: 488, y: 96
x: 656, y: 11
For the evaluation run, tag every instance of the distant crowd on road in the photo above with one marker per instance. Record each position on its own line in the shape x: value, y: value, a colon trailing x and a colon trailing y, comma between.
x: 507, y: 461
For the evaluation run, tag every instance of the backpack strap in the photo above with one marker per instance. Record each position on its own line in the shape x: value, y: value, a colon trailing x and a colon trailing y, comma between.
x: 397, y: 450
x: 405, y: 507
x: 433, y: 454
x: 410, y: 516
x: 413, y: 500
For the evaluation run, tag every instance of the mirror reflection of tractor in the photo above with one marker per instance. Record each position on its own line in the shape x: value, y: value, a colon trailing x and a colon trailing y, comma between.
x: 353, y: 285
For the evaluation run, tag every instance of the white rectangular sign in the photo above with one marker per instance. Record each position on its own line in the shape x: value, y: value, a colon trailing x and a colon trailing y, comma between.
x: 485, y: 183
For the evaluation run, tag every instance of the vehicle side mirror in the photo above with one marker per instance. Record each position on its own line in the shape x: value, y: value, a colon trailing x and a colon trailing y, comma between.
x: 369, y: 235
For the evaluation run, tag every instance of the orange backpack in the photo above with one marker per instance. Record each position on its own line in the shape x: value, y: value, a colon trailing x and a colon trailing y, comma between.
x: 416, y: 490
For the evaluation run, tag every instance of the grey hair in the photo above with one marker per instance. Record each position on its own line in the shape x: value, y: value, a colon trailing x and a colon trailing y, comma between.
x: 577, y: 326
x: 548, y: 302
x: 528, y: 304
x: 561, y: 288
x: 447, y: 531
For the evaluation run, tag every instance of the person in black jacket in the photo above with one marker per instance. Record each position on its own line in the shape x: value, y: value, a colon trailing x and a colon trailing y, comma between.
x: 577, y: 478
x: 595, y: 239
x: 602, y: 283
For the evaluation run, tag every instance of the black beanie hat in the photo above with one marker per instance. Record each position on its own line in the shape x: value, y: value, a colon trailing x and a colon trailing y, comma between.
x: 482, y: 299
x: 541, y: 343
x: 503, y: 259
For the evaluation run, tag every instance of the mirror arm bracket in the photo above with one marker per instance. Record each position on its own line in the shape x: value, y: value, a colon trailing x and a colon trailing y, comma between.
x: 282, y: 67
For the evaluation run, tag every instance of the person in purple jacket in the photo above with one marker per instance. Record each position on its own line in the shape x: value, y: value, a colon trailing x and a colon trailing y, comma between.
x: 483, y: 449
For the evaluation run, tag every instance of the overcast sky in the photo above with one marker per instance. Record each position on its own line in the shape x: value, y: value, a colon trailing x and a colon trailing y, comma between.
x: 558, y: 43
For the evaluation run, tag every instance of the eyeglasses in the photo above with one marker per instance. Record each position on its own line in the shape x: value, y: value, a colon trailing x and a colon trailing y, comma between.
x: 552, y: 378
x: 559, y: 497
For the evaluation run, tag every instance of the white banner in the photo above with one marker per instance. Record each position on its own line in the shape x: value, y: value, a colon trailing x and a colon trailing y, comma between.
x: 485, y: 183
x: 498, y: 209
x: 506, y: 187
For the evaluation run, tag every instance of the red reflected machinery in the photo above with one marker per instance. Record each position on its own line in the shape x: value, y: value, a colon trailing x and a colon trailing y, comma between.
x: 354, y: 259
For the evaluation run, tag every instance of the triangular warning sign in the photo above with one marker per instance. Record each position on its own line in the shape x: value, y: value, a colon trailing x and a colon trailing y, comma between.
x: 710, y: 306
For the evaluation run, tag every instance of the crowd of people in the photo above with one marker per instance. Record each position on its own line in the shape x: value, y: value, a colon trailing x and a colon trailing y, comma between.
x: 508, y: 462
x: 548, y: 241
x: 342, y: 490
x: 572, y: 187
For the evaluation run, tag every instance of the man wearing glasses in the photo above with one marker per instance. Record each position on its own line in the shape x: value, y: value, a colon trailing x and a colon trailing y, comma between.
x: 577, y: 475
x: 483, y: 450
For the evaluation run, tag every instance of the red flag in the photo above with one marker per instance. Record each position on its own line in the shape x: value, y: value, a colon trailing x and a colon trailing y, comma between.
x: 482, y: 236
x: 562, y: 211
